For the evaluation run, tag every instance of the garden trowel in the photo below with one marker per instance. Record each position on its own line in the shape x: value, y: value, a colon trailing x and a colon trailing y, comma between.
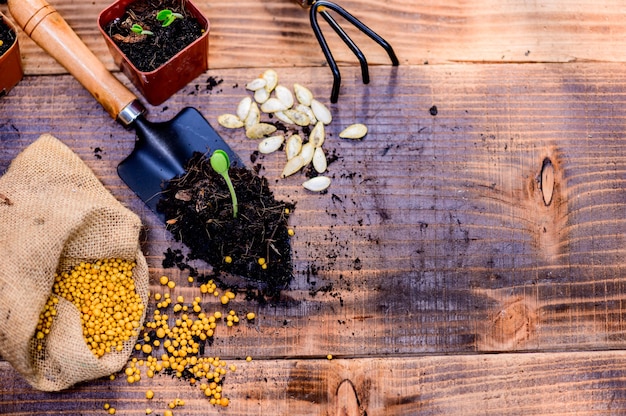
x: 162, y: 148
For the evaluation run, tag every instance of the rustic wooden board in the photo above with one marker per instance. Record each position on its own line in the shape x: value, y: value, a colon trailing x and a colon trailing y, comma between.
x: 500, y: 384
x: 434, y: 236
x: 278, y: 34
x: 434, y: 261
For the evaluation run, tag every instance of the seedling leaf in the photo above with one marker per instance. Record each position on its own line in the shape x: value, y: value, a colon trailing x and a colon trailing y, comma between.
x: 220, y: 163
x: 167, y: 16
x: 138, y: 29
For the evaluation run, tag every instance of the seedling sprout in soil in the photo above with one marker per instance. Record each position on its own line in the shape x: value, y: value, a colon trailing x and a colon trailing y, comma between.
x: 167, y: 17
x: 138, y: 29
x: 255, y: 245
x: 221, y: 163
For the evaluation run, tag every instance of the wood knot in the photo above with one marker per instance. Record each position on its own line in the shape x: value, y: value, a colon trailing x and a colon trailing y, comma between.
x: 546, y: 181
x: 512, y: 325
x: 546, y: 210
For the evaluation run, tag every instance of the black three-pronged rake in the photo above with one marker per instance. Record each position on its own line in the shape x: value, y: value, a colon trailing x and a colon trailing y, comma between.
x: 321, y: 7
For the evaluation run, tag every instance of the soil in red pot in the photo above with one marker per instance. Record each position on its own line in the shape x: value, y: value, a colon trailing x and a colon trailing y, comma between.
x: 148, y: 52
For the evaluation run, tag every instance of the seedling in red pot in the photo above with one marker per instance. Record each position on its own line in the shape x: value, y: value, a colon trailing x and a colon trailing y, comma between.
x: 162, y: 64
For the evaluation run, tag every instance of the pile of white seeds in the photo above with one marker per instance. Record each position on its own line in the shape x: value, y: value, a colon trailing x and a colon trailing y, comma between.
x: 270, y: 97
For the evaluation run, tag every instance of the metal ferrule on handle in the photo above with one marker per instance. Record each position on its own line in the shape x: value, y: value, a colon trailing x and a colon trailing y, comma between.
x: 130, y: 113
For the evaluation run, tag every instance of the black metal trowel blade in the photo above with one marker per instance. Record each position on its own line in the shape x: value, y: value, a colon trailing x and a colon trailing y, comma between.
x: 163, y: 148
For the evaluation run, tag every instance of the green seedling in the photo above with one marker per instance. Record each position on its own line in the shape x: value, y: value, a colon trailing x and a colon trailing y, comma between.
x: 138, y: 29
x: 220, y: 164
x: 167, y: 17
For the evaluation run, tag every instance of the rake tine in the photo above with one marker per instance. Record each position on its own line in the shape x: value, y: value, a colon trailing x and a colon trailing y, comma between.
x: 319, y: 6
x: 348, y: 41
x: 334, y: 95
x: 362, y: 27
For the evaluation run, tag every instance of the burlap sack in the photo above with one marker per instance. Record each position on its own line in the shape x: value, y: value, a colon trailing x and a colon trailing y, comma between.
x: 54, y: 213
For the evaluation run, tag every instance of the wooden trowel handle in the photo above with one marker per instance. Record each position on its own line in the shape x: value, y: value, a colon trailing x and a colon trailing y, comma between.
x: 48, y: 29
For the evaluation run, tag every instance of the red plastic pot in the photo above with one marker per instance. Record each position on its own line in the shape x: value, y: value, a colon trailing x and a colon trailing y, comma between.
x: 10, y: 62
x: 159, y: 85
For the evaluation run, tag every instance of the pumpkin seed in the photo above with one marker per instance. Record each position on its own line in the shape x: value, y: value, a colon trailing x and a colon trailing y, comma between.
x: 273, y: 105
x: 307, y: 152
x: 271, y: 78
x: 318, y: 134
x: 303, y: 94
x: 271, y: 144
x: 243, y: 108
x: 230, y: 121
x: 283, y: 117
x: 261, y: 95
x: 322, y: 113
x: 317, y: 184
x: 293, y: 146
x: 254, y: 115
x: 354, y: 131
x: 256, y: 84
x: 306, y: 110
x: 260, y: 130
x: 319, y: 160
x: 292, y: 166
x: 298, y: 118
x: 284, y: 95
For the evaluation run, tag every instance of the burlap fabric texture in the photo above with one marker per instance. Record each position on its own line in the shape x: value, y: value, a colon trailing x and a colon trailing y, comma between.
x: 54, y: 214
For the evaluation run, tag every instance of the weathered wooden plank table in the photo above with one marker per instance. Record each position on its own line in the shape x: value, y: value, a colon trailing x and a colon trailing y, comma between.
x: 433, y: 271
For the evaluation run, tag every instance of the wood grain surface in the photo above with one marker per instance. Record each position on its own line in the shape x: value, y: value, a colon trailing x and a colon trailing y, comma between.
x: 512, y: 384
x: 468, y: 260
x: 254, y: 33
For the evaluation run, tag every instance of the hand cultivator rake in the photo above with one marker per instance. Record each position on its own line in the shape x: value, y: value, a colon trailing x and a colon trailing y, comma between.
x: 322, y: 7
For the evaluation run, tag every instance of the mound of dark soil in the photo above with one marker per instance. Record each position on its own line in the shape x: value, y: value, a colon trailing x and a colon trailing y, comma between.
x: 199, y: 213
